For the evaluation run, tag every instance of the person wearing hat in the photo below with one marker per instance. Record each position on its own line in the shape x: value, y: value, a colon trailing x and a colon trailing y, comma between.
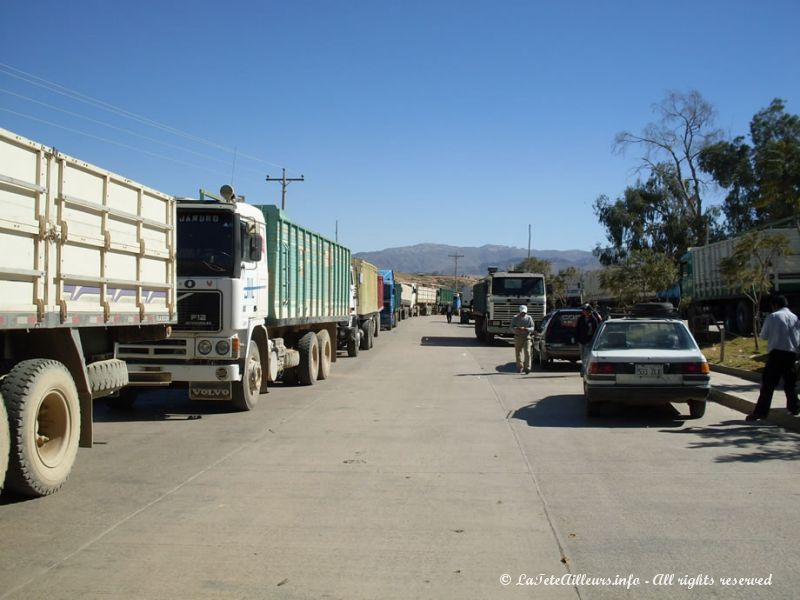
x: 522, y: 325
x: 585, y: 328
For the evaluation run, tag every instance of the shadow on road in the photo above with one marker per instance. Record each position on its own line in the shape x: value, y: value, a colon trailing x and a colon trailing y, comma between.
x: 569, y: 410
x: 757, y: 443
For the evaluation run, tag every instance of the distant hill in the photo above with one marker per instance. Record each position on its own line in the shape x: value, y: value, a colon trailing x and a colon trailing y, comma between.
x: 434, y: 258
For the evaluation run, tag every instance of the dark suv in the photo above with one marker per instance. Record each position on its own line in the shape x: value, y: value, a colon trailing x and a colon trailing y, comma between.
x: 556, y: 340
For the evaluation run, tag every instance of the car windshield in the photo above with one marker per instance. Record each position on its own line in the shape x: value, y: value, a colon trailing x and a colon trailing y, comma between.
x: 644, y: 335
x: 517, y: 286
x: 205, y: 244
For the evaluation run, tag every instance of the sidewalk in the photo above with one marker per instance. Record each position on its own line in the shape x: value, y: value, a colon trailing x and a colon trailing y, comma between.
x: 739, y: 390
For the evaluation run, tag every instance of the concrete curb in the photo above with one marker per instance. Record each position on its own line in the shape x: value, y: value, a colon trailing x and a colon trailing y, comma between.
x: 740, y: 373
x: 777, y: 416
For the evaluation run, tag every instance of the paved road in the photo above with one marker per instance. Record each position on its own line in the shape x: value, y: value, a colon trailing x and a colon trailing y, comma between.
x: 425, y: 468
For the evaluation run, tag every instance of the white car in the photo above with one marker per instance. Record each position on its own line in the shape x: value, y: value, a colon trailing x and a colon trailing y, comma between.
x: 645, y: 361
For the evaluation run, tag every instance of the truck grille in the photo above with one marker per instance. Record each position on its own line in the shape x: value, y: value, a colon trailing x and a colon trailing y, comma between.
x: 506, y: 312
x: 199, y: 311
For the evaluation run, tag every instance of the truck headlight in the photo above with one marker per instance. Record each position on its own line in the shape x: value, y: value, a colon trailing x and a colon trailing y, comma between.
x: 223, y: 348
x: 204, y: 346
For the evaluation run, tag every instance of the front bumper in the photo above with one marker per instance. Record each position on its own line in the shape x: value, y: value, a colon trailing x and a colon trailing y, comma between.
x: 163, y: 375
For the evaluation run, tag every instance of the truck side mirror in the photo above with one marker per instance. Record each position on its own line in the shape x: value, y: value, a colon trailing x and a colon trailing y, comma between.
x: 256, y: 248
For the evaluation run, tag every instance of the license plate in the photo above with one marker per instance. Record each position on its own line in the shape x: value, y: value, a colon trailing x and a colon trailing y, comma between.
x: 650, y: 371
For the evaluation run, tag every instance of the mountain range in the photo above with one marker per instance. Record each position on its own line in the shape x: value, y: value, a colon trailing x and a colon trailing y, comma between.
x: 437, y: 259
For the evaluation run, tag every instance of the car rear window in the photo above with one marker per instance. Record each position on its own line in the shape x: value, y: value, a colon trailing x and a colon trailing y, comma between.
x: 564, y: 321
x: 650, y: 336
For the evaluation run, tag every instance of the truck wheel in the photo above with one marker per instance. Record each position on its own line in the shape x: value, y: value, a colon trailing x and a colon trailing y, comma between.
x: 309, y: 359
x: 45, y: 423
x: 5, y: 443
x: 376, y: 326
x: 324, y: 343
x: 366, y: 335
x: 107, y: 376
x: 479, y: 328
x: 246, y: 391
x: 353, y: 345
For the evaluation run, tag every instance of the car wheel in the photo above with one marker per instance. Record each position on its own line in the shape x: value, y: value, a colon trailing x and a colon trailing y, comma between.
x: 697, y: 408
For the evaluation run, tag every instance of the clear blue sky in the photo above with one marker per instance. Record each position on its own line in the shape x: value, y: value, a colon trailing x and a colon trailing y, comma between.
x: 415, y: 121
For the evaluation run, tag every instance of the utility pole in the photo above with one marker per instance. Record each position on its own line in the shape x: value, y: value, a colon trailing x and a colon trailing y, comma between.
x: 455, y: 270
x: 529, y: 240
x: 284, y: 182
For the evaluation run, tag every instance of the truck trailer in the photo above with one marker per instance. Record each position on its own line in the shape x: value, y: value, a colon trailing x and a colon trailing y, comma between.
x: 367, y: 295
x: 704, y: 291
x: 88, y: 260
x: 391, y: 304
x: 260, y: 300
x: 497, y: 298
x: 426, y: 299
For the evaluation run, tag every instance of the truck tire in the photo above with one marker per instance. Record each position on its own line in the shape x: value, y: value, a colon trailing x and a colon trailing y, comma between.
x: 309, y: 359
x: 366, y: 335
x: 246, y: 391
x: 324, y: 343
x: 5, y: 443
x: 107, y: 376
x: 376, y: 326
x: 45, y: 423
x: 479, y: 328
x: 353, y: 345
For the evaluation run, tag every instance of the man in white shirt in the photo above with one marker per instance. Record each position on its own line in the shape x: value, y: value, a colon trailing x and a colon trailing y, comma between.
x: 782, y: 332
x: 522, y: 326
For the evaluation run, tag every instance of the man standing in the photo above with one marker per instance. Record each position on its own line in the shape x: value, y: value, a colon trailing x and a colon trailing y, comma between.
x: 780, y: 329
x: 522, y: 326
x: 585, y: 328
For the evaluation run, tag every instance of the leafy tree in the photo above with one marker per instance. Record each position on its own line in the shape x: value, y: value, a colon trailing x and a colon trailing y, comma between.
x: 671, y: 153
x: 647, y: 216
x: 748, y: 267
x: 558, y: 284
x: 762, y: 179
x: 640, y: 275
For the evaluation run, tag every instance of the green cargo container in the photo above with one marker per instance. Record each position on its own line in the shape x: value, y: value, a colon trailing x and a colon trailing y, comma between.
x: 444, y: 296
x: 309, y: 275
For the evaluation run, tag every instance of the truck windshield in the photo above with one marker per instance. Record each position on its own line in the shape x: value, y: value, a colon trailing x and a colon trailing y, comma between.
x: 205, y: 244
x: 517, y: 286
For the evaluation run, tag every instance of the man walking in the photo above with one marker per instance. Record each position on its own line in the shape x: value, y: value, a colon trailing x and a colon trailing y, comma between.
x: 780, y: 329
x: 585, y: 328
x: 522, y: 326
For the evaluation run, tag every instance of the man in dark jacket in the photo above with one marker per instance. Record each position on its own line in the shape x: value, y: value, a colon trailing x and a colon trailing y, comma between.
x: 585, y: 328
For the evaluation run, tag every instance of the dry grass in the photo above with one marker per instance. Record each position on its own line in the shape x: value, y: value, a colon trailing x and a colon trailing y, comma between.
x: 740, y: 352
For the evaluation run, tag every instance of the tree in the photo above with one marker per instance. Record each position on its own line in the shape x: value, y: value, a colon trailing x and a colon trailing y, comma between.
x: 641, y: 275
x: 559, y: 283
x: 647, y: 216
x: 748, y: 267
x: 671, y: 152
x: 762, y: 179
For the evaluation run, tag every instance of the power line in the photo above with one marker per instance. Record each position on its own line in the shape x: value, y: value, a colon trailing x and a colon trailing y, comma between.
x: 123, y: 129
x: 75, y: 95
x: 102, y: 139
x: 455, y: 270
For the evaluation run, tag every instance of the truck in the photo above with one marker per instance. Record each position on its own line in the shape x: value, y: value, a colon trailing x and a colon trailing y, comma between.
x: 426, y: 299
x: 88, y: 260
x: 390, y: 312
x: 408, y: 301
x: 444, y: 297
x: 466, y: 304
x: 497, y: 298
x: 705, y: 294
x: 369, y: 300
x: 260, y: 300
